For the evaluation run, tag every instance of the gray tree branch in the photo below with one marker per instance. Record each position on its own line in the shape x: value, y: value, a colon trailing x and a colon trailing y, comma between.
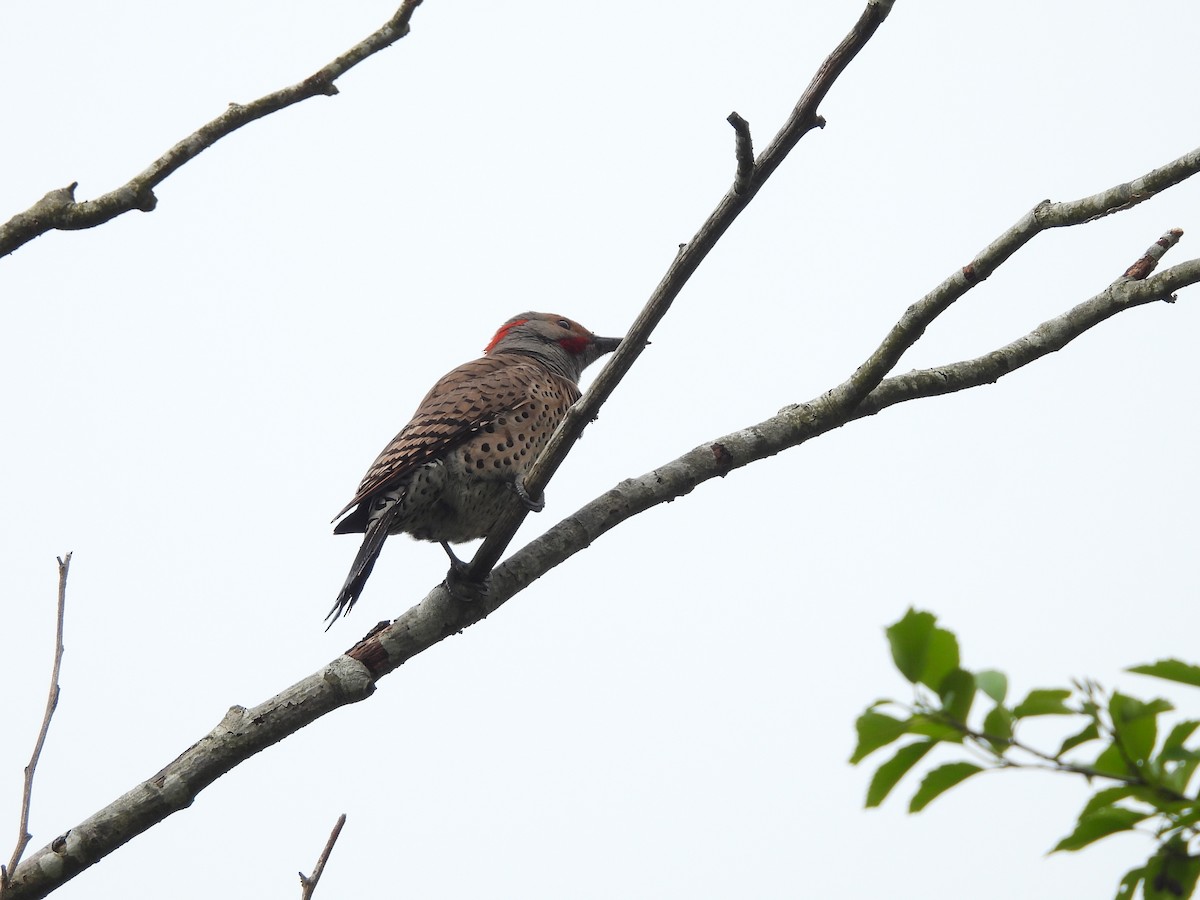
x: 803, y: 119
x: 438, y: 616
x: 869, y: 390
x: 59, y: 211
x: 245, y: 732
x: 23, y: 835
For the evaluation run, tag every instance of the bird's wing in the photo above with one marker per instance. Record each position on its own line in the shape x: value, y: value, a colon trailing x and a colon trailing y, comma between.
x: 461, y: 404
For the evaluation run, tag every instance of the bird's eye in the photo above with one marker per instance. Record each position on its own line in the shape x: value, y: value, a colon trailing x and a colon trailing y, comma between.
x: 563, y: 323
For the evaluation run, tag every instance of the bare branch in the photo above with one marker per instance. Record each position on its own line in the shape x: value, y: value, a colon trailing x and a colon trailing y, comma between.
x: 864, y: 393
x: 1150, y: 258
x: 743, y: 150
x: 1048, y: 337
x: 802, y: 120
x: 23, y: 835
x: 308, y: 884
x: 908, y: 330
x: 239, y: 735
x: 791, y: 427
x: 352, y: 677
x: 59, y: 211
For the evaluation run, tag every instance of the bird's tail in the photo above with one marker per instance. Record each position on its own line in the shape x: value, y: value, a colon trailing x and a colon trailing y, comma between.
x: 376, y: 533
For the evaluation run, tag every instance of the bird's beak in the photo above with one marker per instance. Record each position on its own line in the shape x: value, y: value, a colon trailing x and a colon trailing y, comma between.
x: 605, y: 345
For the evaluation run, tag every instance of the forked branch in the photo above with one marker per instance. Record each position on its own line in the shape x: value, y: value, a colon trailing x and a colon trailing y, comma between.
x: 794, y: 425
x: 869, y: 390
x: 244, y: 732
x: 802, y: 119
x: 58, y: 210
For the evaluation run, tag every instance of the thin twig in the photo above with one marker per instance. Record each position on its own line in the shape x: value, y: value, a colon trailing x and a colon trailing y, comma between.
x: 918, y: 317
x: 743, y: 150
x: 803, y: 119
x: 23, y: 835
x: 59, y: 211
x: 351, y: 678
x: 1049, y: 763
x: 1150, y: 258
x: 308, y: 884
x: 347, y: 679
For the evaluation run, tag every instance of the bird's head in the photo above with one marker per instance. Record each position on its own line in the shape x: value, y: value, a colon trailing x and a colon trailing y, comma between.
x: 563, y: 345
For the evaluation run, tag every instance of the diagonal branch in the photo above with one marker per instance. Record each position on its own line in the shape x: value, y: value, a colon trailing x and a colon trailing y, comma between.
x: 792, y: 426
x: 864, y: 393
x: 803, y: 119
x: 23, y: 835
x: 908, y: 330
x: 245, y: 732
x: 238, y: 736
x: 352, y: 677
x: 308, y: 883
x: 58, y: 210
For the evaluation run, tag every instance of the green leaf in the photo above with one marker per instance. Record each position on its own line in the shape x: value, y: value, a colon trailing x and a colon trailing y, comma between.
x: 935, y: 728
x: 942, y: 658
x: 1178, y: 753
x: 1044, y: 702
x: 1176, y: 777
x: 1128, y: 885
x: 888, y: 774
x: 1170, y: 670
x: 957, y: 690
x: 1178, y: 763
x: 909, y: 639
x: 1179, y: 778
x: 998, y: 727
x: 1137, y: 709
x: 1098, y: 824
x: 1106, y: 797
x: 1171, y: 873
x: 1163, y: 804
x: 1111, y: 762
x: 939, y: 780
x: 1186, y: 820
x: 993, y: 683
x: 1089, y: 733
x: 1136, y: 724
x: 876, y: 730
x: 1172, y: 747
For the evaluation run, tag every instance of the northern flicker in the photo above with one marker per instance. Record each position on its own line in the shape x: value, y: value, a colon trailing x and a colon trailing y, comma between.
x: 454, y: 468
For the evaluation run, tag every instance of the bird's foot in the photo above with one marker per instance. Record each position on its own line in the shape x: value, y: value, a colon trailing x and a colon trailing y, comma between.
x: 530, y: 504
x: 458, y: 582
x: 462, y: 588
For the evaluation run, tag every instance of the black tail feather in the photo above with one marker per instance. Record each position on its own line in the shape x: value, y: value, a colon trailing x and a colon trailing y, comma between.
x: 364, y: 562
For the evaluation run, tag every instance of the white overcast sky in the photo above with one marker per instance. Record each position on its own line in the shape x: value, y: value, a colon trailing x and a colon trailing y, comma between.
x: 190, y: 395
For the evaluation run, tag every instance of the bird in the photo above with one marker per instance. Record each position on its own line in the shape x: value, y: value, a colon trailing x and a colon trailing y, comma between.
x: 461, y: 460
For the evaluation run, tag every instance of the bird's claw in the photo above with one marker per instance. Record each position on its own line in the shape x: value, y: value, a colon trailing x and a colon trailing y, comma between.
x: 530, y: 504
x: 461, y: 587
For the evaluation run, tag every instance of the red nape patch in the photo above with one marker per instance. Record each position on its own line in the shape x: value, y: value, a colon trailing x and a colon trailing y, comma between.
x: 573, y: 344
x: 499, y: 335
